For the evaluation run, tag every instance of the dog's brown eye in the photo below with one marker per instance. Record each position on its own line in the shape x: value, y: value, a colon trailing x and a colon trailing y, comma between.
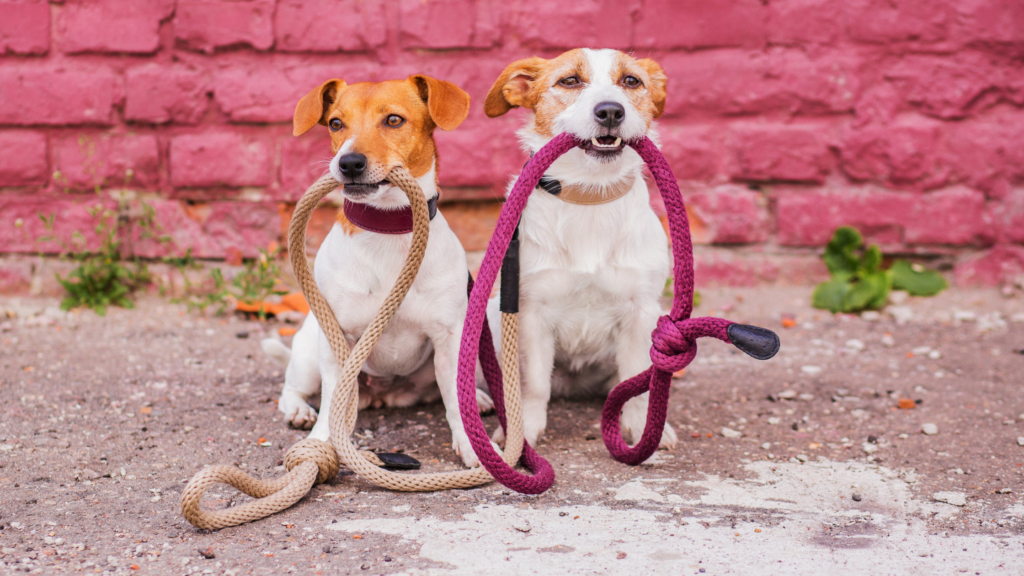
x: 394, y: 120
x: 631, y: 82
x: 570, y: 82
x: 335, y: 124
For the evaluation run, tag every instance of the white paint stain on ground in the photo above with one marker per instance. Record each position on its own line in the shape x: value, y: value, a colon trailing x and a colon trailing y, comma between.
x: 787, y: 519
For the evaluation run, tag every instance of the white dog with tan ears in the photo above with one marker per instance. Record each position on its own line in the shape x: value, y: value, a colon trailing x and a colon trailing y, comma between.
x: 593, y: 255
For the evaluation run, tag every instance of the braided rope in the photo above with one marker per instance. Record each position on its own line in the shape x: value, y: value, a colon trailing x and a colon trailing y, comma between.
x: 312, y: 461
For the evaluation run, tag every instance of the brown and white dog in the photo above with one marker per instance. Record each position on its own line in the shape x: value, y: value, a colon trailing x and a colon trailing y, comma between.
x: 375, y: 127
x: 593, y: 258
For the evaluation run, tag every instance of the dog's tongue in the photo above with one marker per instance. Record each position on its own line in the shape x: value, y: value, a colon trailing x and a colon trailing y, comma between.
x: 606, y: 140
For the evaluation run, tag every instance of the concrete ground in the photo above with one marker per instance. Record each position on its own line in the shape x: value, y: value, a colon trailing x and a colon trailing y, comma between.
x: 800, y: 465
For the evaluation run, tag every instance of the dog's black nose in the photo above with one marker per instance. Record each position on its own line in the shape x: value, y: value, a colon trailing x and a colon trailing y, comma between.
x: 609, y: 114
x: 352, y: 165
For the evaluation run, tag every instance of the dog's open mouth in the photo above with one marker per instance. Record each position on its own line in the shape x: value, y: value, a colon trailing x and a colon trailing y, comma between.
x: 361, y: 189
x: 605, y: 147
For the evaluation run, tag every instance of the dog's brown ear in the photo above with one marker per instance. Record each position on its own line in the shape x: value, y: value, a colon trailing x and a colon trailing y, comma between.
x: 658, y: 84
x: 311, y: 109
x: 447, y: 103
x: 511, y: 88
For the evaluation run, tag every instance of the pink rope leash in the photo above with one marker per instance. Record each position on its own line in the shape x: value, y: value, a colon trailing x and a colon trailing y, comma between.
x: 674, y: 339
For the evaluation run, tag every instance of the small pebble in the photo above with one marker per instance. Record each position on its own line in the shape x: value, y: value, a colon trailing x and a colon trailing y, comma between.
x: 242, y: 335
x: 327, y: 549
x: 786, y: 394
x: 1004, y: 491
x: 364, y: 567
x: 1020, y: 441
x: 904, y: 436
x: 811, y: 370
x: 888, y: 341
x: 954, y: 498
x: 935, y: 354
x: 854, y: 344
x: 806, y: 397
x: 856, y: 497
x: 929, y: 429
x: 730, y: 433
x: 208, y: 554
x: 387, y: 558
x: 802, y: 457
x: 766, y: 446
x: 873, y: 439
x: 774, y: 420
x: 870, y: 448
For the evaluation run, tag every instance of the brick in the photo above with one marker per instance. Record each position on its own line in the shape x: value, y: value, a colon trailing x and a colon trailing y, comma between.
x: 1003, y: 264
x: 112, y: 25
x: 472, y: 222
x: 805, y: 22
x: 728, y: 214
x: 765, y: 152
x: 206, y: 25
x: 809, y: 217
x: 907, y: 153
x: 160, y: 94
x: 996, y: 25
x: 691, y: 151
x: 260, y: 93
x: 38, y: 95
x: 885, y: 21
x: 956, y: 86
x: 212, y: 229
x: 731, y: 82
x: 717, y: 267
x: 450, y: 23
x: 25, y: 28
x: 23, y: 159
x: 330, y: 25
x: 1009, y: 217
x: 986, y: 152
x: 541, y: 24
x: 303, y: 161
x: 87, y: 161
x: 700, y: 24
x: 21, y: 228
x: 477, y: 157
x: 220, y: 159
x: 954, y: 216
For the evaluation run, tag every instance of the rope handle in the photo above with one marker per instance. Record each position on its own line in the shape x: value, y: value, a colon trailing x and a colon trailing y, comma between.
x: 312, y: 461
x: 674, y: 340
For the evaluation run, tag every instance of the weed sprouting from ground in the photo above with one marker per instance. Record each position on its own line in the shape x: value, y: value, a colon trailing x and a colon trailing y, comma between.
x: 251, y: 286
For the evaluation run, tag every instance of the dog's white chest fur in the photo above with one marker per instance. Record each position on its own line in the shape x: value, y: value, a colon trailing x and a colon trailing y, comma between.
x: 356, y: 273
x: 584, y: 268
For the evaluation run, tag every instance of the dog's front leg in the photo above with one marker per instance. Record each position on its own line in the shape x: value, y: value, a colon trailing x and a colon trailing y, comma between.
x: 537, y: 360
x: 446, y: 364
x: 302, y: 377
x: 633, y: 356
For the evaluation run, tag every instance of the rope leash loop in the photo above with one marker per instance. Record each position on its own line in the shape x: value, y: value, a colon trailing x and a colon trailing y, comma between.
x: 312, y: 461
x: 674, y: 340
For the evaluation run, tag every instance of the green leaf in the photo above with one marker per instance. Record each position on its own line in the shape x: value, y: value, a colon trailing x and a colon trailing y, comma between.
x: 881, y: 284
x: 916, y: 282
x: 831, y: 295
x: 872, y: 259
x: 839, y: 252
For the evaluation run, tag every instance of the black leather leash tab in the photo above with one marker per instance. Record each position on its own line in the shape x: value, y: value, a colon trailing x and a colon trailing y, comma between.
x: 760, y: 343
x: 509, y: 300
x: 396, y: 461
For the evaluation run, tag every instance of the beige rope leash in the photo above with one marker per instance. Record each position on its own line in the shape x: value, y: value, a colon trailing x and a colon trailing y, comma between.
x: 312, y: 461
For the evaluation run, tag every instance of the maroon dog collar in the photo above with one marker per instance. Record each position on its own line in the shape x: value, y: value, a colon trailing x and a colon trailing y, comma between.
x: 373, y: 219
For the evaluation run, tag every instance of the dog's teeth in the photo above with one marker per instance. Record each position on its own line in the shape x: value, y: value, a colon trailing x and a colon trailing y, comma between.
x: 599, y: 145
x: 617, y: 142
x: 595, y: 142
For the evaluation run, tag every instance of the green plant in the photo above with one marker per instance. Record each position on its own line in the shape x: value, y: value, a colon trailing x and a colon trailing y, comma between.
x: 858, y: 281
x: 668, y: 291
x: 257, y: 280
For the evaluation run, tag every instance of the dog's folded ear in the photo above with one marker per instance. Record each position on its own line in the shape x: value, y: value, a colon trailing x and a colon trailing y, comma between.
x: 511, y: 89
x: 447, y: 103
x: 311, y: 110
x: 657, y: 84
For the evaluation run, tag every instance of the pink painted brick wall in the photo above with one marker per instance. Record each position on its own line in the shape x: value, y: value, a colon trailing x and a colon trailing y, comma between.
x: 785, y: 118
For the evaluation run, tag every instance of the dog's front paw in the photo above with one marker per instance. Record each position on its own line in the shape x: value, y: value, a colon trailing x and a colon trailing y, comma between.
x: 297, y: 413
x: 484, y: 401
x: 668, y: 438
x: 462, y: 447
